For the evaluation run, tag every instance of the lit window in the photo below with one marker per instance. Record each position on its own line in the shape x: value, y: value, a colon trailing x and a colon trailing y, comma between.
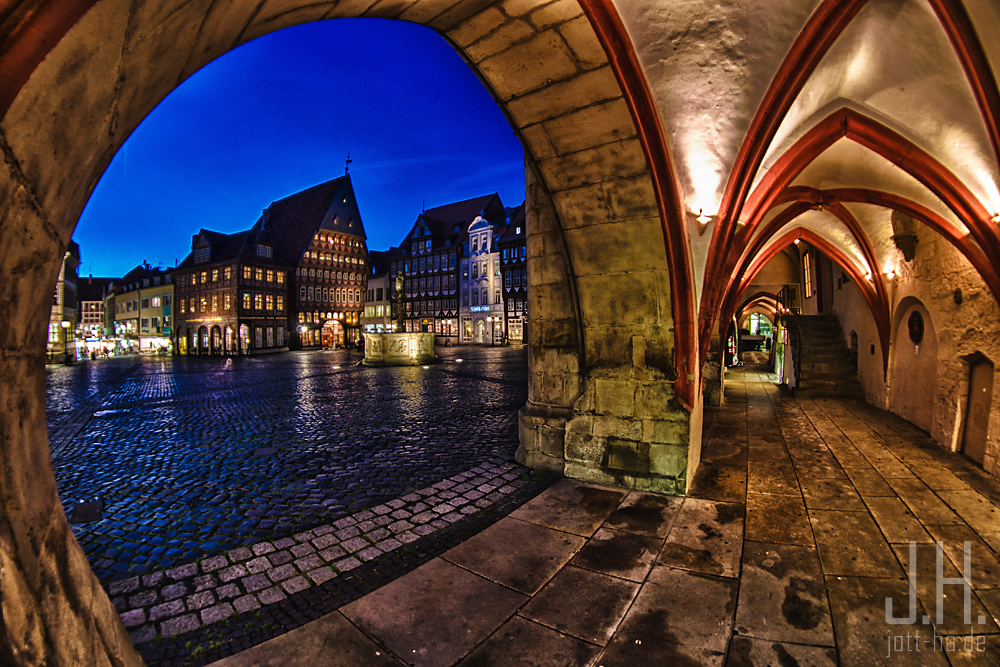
x: 258, y: 301
x: 182, y: 306
x: 204, y: 277
x: 227, y: 301
x: 247, y: 273
x: 807, y: 273
x: 246, y: 300
x: 496, y: 296
x: 280, y: 302
x: 215, y: 303
x: 258, y: 274
x: 215, y: 275
x: 475, y: 297
x: 280, y: 275
x: 270, y: 276
x: 269, y: 302
x: 204, y: 305
x: 227, y: 272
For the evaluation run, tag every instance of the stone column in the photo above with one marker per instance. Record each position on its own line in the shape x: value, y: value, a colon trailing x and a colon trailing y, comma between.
x: 54, y: 612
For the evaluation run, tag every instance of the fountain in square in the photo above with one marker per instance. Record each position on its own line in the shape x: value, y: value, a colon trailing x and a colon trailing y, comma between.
x: 399, y: 348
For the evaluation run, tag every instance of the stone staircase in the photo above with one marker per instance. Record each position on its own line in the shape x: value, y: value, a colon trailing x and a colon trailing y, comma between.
x: 824, y: 365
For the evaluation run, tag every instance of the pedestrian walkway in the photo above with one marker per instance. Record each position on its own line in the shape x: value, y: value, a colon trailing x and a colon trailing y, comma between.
x: 804, y: 519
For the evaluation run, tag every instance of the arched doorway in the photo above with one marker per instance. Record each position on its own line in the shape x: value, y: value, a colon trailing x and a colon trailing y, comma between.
x: 480, y: 331
x: 182, y: 341
x: 216, y: 340
x: 229, y: 340
x: 244, y: 339
x: 203, y: 341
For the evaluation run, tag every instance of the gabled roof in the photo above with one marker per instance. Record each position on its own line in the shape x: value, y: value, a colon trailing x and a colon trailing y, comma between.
x: 442, y: 221
x: 225, y: 247
x: 289, y: 224
x: 380, y: 259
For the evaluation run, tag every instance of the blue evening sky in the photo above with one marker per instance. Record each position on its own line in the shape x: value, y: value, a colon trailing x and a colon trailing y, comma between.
x: 280, y: 114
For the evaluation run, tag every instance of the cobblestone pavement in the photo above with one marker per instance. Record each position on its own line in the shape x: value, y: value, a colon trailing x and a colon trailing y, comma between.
x: 198, y: 457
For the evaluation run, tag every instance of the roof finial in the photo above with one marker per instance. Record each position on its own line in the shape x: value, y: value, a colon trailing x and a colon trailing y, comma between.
x: 423, y: 205
x: 347, y: 164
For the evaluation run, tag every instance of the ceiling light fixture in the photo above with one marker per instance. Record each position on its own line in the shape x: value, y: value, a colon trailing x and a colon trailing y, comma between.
x: 702, y: 218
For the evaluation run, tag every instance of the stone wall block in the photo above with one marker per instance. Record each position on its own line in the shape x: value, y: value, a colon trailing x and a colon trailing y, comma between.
x: 607, y: 346
x: 591, y: 126
x: 548, y: 269
x: 584, y: 448
x: 582, y: 206
x: 593, y: 165
x: 278, y: 14
x: 580, y: 424
x: 423, y: 12
x: 550, y: 441
x: 555, y: 333
x: 555, y: 13
x: 538, y: 142
x: 565, y: 96
x: 655, y: 400
x: 519, y: 7
x: 615, y: 397
x: 668, y: 460
x: 628, y: 455
x: 580, y: 36
x: 617, y: 247
x: 454, y: 12
x: 619, y: 299
x: 529, y: 65
x: 666, y: 431
x: 587, y: 473
x: 503, y: 38
x: 629, y: 198
x: 616, y: 427
x: 389, y: 9
x: 477, y: 26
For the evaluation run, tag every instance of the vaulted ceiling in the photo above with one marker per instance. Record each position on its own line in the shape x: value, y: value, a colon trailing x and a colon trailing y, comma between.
x: 816, y: 120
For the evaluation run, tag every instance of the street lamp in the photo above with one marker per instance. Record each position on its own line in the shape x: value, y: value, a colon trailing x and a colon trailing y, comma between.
x: 65, y: 327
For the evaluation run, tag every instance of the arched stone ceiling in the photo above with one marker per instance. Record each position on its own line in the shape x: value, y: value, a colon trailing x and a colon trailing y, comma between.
x: 896, y: 64
x: 848, y: 164
x: 740, y: 85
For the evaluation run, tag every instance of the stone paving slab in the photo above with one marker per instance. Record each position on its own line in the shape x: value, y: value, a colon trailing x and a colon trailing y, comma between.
x: 517, y: 554
x: 331, y: 641
x: 572, y: 508
x: 439, y: 612
x: 520, y: 642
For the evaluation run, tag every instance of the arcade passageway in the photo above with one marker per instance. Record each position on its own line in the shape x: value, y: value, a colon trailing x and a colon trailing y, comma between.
x: 797, y: 529
x: 687, y: 164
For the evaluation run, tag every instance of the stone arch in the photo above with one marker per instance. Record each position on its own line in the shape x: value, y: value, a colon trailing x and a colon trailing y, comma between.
x: 215, y: 344
x: 601, y: 292
x: 229, y: 339
x: 913, y: 381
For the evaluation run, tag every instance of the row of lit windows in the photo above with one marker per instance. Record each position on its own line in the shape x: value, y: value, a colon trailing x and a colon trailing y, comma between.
x: 515, y: 305
x: 374, y: 294
x: 226, y: 273
x: 338, y: 241
x: 440, y: 262
x: 329, y: 294
x: 147, y: 302
x: 382, y: 310
x: 511, y: 253
x: 320, y: 317
x: 206, y: 304
x: 328, y: 257
x: 327, y: 274
x: 429, y: 306
x: 431, y: 284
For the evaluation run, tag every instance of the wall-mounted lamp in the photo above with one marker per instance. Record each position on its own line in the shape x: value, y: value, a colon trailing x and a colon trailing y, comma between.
x: 996, y: 218
x: 890, y: 274
x: 797, y: 241
x: 868, y: 275
x: 702, y: 218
